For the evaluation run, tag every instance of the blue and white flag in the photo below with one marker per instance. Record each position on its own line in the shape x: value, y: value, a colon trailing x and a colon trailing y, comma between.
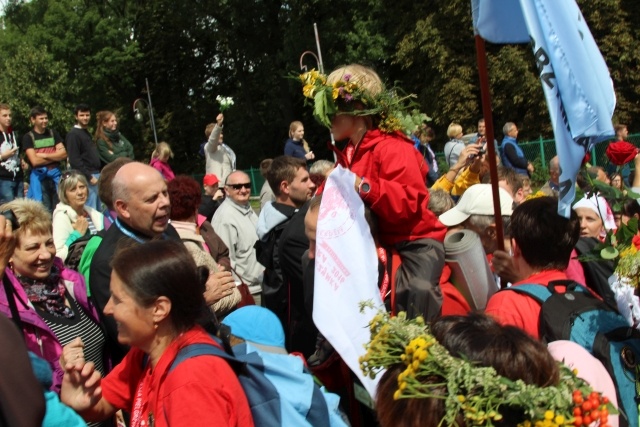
x: 574, y: 75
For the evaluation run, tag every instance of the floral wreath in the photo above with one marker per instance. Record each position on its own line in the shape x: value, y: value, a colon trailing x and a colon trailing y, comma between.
x: 478, y: 393
x: 391, y: 111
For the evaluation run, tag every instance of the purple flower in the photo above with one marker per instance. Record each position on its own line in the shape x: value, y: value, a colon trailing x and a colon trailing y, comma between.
x: 348, y: 97
x: 346, y: 77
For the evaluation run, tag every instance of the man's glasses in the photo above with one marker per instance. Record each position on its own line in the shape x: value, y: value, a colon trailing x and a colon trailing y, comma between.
x: 239, y: 186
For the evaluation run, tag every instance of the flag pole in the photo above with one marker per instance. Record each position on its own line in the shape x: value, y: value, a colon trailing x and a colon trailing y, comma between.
x: 481, y: 57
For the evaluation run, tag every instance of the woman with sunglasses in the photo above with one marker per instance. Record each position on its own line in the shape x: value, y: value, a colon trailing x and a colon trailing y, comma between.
x: 73, y: 218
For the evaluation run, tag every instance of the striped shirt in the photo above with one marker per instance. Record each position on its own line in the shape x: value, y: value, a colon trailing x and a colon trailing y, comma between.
x: 81, y: 325
x: 92, y: 227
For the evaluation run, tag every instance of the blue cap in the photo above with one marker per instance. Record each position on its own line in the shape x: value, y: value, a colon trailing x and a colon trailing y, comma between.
x: 257, y: 325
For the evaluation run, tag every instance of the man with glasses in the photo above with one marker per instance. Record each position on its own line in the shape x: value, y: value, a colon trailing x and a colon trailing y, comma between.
x: 45, y: 150
x: 235, y: 222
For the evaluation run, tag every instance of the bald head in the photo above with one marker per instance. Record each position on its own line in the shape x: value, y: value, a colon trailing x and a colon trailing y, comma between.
x: 141, y: 199
x: 237, y: 176
x: 129, y: 176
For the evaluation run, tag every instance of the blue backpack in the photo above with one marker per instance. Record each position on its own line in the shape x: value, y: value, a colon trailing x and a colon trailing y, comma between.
x: 576, y: 315
x: 277, y: 394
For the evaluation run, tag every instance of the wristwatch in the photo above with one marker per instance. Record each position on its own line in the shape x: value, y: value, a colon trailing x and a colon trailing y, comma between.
x: 364, y: 186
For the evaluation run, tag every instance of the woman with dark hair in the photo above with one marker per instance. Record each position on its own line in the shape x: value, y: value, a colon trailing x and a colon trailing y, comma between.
x: 465, y: 367
x: 110, y: 142
x: 630, y: 209
x: 204, y: 245
x: 157, y: 319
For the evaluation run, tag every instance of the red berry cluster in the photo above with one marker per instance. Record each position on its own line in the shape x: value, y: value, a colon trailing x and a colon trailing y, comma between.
x: 588, y: 409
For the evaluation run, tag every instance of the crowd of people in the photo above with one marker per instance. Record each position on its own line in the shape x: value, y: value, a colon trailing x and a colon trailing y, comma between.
x: 113, y: 268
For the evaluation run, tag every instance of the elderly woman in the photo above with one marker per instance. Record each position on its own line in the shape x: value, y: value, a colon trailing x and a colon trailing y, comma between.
x: 110, y: 142
x: 157, y: 319
x: 72, y: 218
x: 205, y: 246
x: 596, y: 217
x: 48, y: 300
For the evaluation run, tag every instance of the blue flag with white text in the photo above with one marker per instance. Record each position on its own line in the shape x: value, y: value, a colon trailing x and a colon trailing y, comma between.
x: 574, y: 75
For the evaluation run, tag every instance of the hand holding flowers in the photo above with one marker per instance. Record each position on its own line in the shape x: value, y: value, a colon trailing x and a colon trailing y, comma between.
x: 225, y: 102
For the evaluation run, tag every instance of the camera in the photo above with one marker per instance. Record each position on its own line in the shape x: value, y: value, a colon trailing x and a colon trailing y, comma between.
x: 11, y: 217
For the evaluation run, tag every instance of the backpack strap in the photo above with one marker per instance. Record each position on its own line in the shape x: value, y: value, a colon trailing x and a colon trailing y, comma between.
x: 204, y: 349
x: 536, y: 291
x: 541, y: 293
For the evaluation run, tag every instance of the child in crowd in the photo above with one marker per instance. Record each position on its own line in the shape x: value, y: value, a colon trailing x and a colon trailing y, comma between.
x: 390, y: 179
x: 160, y: 160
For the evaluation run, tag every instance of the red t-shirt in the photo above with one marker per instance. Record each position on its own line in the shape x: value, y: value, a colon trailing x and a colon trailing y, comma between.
x: 453, y: 303
x: 513, y: 308
x: 199, y: 391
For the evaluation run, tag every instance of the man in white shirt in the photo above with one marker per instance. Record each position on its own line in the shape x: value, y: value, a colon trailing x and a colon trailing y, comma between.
x: 235, y: 222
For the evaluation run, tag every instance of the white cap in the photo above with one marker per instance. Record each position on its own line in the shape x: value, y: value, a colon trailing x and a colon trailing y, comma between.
x: 477, y: 200
x: 599, y: 205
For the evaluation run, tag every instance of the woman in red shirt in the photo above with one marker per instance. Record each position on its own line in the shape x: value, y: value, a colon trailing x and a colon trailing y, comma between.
x: 157, y: 318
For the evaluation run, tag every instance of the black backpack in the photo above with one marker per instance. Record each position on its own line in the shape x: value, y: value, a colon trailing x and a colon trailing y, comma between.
x: 577, y: 315
x: 76, y: 249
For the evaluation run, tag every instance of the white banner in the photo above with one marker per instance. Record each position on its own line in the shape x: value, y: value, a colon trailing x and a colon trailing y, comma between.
x: 346, y: 272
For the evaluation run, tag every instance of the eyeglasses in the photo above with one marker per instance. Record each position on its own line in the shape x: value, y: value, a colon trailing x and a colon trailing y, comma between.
x: 239, y: 186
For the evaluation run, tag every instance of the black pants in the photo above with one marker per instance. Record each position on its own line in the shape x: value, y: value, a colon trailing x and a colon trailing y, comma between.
x: 418, y: 278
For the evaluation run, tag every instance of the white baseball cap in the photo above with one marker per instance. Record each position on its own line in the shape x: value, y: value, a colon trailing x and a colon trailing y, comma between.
x: 477, y: 200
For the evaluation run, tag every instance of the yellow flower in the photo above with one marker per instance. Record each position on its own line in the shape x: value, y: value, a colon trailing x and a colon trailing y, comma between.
x: 335, y: 93
x: 309, y: 90
x: 548, y: 415
x: 461, y: 398
x: 630, y: 251
x: 559, y: 419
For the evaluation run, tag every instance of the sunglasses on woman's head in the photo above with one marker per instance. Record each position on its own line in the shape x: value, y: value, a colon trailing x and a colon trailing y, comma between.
x: 67, y: 174
x: 239, y: 186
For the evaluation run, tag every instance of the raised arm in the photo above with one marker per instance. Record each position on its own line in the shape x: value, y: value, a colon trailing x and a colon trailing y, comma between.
x: 213, y: 144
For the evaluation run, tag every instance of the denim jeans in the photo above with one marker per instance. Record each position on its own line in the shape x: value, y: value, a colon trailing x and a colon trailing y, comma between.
x: 93, y: 200
x: 49, y: 194
x: 10, y: 190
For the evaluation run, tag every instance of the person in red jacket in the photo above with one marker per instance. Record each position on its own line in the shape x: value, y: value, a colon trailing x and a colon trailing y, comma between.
x: 390, y: 178
x: 541, y: 241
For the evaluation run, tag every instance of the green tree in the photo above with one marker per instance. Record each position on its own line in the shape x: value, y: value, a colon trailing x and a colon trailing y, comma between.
x: 33, y: 77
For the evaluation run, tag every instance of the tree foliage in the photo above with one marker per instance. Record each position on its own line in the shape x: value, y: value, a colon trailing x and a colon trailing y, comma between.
x: 60, y: 52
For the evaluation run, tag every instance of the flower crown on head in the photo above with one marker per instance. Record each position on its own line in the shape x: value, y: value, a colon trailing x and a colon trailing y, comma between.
x: 478, y: 393
x: 347, y: 96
